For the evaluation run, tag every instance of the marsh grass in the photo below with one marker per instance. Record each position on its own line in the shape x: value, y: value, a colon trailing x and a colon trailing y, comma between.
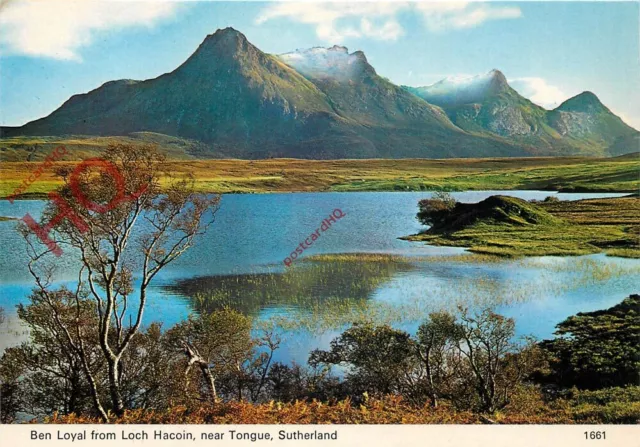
x: 332, y: 291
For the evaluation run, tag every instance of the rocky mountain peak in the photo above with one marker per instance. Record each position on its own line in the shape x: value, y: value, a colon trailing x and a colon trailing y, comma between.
x: 334, y: 63
x: 226, y: 34
x: 224, y: 42
x: 585, y: 102
x: 497, y: 82
x: 339, y: 48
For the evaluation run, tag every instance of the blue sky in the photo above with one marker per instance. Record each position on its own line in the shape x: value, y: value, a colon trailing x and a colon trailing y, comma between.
x: 548, y: 51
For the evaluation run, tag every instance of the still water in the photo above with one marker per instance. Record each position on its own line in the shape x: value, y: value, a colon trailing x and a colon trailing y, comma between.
x: 239, y: 262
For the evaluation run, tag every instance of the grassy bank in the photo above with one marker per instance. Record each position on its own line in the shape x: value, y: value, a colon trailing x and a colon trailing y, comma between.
x: 618, y: 174
x: 573, y: 228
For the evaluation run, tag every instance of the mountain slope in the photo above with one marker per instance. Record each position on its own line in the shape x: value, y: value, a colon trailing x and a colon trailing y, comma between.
x: 487, y: 104
x: 242, y: 102
x: 387, y: 114
x: 322, y: 103
x: 585, y: 119
x: 228, y: 93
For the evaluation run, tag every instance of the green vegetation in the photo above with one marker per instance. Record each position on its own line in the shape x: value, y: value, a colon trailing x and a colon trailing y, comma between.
x: 581, y: 124
x: 508, y: 226
x: 24, y: 149
x: 310, y: 285
x: 462, y: 367
x: 329, y: 292
x: 598, y: 349
x: 288, y: 175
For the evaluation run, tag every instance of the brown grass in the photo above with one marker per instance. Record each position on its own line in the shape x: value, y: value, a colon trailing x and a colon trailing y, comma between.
x: 289, y: 175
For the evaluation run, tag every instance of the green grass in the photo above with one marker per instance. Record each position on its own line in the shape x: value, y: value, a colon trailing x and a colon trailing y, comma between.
x: 21, y: 149
x: 580, y: 227
x: 292, y: 175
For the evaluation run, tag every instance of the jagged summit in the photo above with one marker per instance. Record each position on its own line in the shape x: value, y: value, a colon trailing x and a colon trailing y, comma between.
x: 224, y: 42
x: 497, y: 82
x: 497, y: 74
x: 340, y: 48
x: 226, y: 33
x: 328, y: 63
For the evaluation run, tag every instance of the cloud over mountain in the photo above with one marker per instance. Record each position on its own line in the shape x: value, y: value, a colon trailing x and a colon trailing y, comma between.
x: 539, y: 91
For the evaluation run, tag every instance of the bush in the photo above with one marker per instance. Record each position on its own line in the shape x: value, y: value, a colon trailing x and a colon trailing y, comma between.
x: 599, y: 349
x: 609, y: 406
x: 434, y: 210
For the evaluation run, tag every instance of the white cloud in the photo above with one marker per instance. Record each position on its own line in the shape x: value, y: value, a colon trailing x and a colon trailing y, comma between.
x: 335, y: 22
x: 539, y: 91
x: 390, y: 30
x: 377, y: 20
x: 441, y: 16
x: 58, y: 28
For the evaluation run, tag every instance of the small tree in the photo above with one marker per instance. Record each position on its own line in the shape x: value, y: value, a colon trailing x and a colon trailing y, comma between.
x: 381, y: 359
x: 10, y: 396
x: 435, y: 341
x: 434, y: 210
x: 51, y: 373
x: 497, y: 365
x: 96, y: 213
x: 598, y: 349
x: 221, y: 354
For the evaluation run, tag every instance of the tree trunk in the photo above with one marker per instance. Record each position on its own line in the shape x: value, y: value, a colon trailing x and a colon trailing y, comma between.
x: 74, y: 393
x: 114, y: 387
x: 210, y: 381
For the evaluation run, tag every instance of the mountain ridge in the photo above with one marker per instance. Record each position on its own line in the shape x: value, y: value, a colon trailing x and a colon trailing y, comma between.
x: 488, y: 104
x: 317, y: 103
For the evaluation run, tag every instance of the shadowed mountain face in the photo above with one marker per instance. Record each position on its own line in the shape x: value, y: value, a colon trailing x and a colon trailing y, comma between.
x: 318, y: 103
x: 487, y: 104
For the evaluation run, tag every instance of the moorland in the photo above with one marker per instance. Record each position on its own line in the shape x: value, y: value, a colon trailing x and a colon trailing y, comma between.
x: 565, y: 174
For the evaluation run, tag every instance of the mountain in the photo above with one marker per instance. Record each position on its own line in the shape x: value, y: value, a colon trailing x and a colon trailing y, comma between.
x: 322, y: 103
x: 487, y: 104
x: 228, y: 94
x: 460, y: 90
x: 246, y: 103
x: 585, y: 119
x: 395, y: 120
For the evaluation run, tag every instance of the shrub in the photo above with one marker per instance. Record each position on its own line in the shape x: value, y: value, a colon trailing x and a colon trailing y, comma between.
x: 434, y: 210
x: 598, y: 349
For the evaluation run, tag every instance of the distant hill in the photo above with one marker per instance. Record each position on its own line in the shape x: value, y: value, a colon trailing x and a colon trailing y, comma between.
x: 488, y: 105
x: 229, y: 99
